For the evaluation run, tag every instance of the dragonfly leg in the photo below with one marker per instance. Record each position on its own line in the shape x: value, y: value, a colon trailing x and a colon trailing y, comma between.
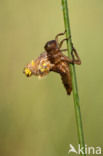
x: 62, y: 41
x: 77, y: 60
x: 62, y: 50
x: 60, y: 34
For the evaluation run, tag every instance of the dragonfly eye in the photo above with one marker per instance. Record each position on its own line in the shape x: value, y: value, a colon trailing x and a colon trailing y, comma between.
x: 50, y: 45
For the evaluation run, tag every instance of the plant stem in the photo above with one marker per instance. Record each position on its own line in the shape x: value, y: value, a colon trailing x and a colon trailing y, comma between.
x: 74, y: 80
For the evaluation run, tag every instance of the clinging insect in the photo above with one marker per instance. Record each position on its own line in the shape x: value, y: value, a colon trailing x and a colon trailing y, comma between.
x: 53, y: 59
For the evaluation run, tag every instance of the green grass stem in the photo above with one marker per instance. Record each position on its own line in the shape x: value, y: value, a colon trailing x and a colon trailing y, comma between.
x: 74, y: 80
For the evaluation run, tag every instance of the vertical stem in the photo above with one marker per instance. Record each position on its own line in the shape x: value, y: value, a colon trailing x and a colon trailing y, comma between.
x: 74, y: 80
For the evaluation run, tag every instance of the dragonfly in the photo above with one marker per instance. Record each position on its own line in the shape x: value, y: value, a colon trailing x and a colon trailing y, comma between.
x: 53, y: 60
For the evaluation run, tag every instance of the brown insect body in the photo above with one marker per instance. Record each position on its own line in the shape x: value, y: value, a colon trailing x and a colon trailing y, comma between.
x: 54, y: 60
x: 56, y: 57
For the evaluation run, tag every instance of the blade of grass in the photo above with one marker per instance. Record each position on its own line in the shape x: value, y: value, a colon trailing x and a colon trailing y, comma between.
x: 74, y: 80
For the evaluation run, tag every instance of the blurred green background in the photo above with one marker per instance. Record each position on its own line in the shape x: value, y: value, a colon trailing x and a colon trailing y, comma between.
x: 36, y: 116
